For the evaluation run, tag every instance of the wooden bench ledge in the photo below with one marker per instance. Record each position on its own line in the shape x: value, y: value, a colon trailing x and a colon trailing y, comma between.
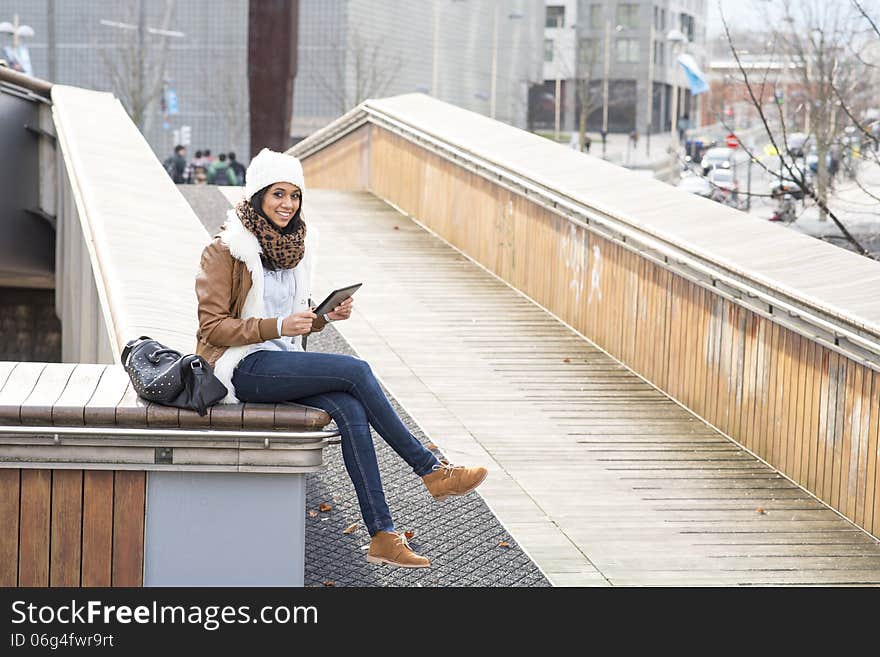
x: 66, y: 394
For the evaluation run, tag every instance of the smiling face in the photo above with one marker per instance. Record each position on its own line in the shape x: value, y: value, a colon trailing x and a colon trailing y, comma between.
x: 280, y: 203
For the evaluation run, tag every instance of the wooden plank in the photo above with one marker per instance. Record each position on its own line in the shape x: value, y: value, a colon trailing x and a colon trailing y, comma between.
x: 37, y: 408
x: 811, y: 423
x: 129, y: 491
x: 66, y: 532
x: 33, y: 555
x: 97, y: 528
x: 10, y: 491
x: 872, y: 490
x: 18, y: 386
x: 844, y: 403
x: 69, y: 408
x: 100, y: 410
x: 6, y: 368
x: 859, y: 451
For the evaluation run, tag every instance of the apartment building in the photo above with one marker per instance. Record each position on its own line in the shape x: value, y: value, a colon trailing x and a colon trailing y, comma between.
x: 633, y: 45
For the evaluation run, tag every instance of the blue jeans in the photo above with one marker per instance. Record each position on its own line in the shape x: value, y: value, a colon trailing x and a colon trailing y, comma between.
x: 346, y: 388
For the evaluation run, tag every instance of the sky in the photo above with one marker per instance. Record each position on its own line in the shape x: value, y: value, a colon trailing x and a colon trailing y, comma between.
x: 745, y: 14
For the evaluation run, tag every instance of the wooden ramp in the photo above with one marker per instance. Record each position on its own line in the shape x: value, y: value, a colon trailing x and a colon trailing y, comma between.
x: 600, y: 477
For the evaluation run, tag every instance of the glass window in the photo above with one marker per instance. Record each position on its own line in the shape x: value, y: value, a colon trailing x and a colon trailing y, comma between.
x: 628, y: 15
x: 662, y: 19
x: 588, y: 54
x: 628, y: 50
x: 548, y: 50
x: 555, y: 16
x: 595, y: 16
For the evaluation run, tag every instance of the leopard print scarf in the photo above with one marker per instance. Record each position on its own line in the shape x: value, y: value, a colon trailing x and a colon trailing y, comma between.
x: 281, y: 248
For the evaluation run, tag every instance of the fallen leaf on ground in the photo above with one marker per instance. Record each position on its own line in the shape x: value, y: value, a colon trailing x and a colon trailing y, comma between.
x: 350, y: 528
x: 504, y: 544
x: 312, y: 513
x: 397, y: 228
x: 409, y: 533
x: 432, y: 446
x: 566, y: 360
x: 329, y: 582
x: 760, y: 510
x: 324, y: 507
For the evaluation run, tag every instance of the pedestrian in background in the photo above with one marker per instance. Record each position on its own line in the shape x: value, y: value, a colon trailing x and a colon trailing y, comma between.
x: 199, y: 169
x: 219, y: 172
x: 175, y: 165
x: 238, y: 169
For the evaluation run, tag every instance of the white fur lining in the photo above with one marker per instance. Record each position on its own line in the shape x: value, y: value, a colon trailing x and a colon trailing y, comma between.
x: 244, y: 246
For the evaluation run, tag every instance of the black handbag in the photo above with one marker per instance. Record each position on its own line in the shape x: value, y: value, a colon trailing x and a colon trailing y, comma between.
x: 167, y: 377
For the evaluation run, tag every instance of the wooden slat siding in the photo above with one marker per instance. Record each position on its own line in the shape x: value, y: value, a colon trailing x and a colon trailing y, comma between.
x: 128, y: 528
x: 820, y: 393
x: 747, y: 402
x: 765, y: 373
x: 863, y: 460
x: 794, y: 401
x: 344, y: 167
x: 830, y: 425
x: 10, y: 490
x: 859, y: 448
x: 676, y: 371
x: 774, y: 391
x: 33, y: 549
x: 871, y: 490
x: 842, y: 445
x: 97, y: 528
x: 696, y: 347
x: 755, y: 403
x: 66, y: 531
x: 811, y: 419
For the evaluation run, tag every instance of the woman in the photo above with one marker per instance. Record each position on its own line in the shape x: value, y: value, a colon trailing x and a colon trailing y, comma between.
x: 253, y: 290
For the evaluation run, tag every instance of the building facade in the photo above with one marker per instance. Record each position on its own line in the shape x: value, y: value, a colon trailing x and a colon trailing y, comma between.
x: 628, y: 44
x: 188, y: 69
x: 350, y: 50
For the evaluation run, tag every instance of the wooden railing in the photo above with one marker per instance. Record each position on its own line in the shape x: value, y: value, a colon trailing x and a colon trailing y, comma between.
x: 757, y: 330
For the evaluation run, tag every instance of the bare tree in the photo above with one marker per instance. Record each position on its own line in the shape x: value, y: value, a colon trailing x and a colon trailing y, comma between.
x: 232, y: 108
x: 137, y: 68
x: 587, y: 55
x: 819, y: 46
x: 361, y: 69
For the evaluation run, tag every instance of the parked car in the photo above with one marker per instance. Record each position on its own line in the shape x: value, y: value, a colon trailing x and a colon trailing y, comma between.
x: 723, y: 179
x: 717, y: 158
x: 696, y: 185
x: 795, y: 143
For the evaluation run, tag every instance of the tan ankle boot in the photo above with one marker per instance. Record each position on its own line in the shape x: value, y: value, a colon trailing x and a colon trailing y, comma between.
x: 448, y: 480
x: 393, y: 548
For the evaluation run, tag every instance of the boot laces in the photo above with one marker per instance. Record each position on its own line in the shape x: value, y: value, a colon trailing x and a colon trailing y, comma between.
x: 448, y: 468
x: 401, y: 540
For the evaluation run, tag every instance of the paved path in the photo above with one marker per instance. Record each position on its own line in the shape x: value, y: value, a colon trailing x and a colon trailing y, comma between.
x: 597, y: 475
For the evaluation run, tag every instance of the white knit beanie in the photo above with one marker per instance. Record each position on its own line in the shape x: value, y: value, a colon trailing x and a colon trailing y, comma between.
x: 271, y: 167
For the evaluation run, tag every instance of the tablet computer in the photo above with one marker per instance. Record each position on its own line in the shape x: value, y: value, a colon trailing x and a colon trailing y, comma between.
x: 335, y: 298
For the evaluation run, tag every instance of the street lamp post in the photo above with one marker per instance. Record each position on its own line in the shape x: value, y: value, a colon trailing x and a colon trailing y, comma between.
x: 678, y: 40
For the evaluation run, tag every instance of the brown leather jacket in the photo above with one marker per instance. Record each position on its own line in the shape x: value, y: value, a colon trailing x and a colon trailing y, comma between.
x: 222, y: 285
